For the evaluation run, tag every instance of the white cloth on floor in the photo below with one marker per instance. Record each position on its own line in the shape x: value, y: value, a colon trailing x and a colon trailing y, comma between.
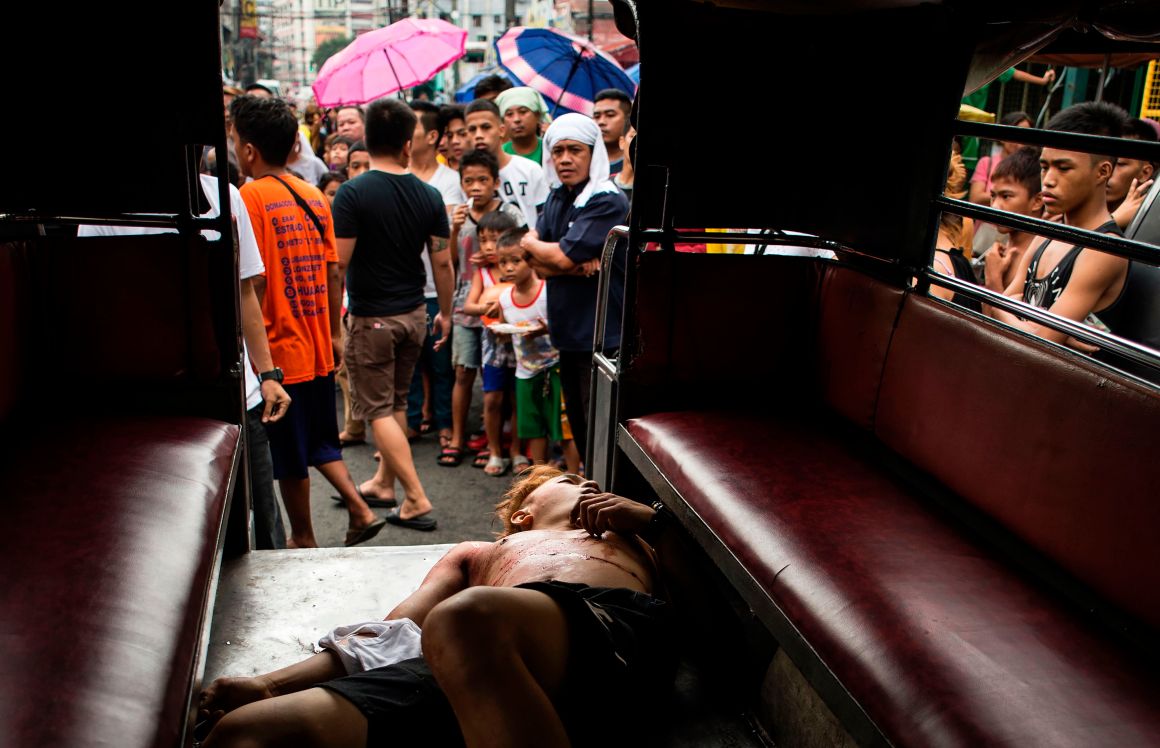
x: 372, y: 644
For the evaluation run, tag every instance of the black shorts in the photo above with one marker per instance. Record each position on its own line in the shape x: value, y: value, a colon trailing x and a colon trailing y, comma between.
x: 621, y: 662
x: 307, y: 436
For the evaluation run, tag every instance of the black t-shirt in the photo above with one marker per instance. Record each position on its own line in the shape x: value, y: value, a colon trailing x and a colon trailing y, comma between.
x: 581, y: 233
x: 391, y: 217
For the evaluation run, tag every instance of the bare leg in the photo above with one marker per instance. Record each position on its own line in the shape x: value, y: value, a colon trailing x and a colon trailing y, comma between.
x: 493, y: 422
x: 572, y: 456
x: 460, y: 405
x: 315, y: 718
x: 500, y: 655
x: 296, y: 497
x: 391, y: 439
x: 339, y: 477
x: 539, y: 449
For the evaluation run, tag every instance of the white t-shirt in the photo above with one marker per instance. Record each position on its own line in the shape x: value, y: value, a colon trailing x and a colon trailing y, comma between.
x: 249, y: 257
x: 533, y: 353
x: 522, y: 183
x: 446, y: 180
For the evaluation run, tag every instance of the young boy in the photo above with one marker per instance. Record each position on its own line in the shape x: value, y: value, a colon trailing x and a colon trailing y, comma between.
x: 538, y: 395
x: 479, y: 175
x: 1074, y: 281
x: 520, y: 181
x: 358, y: 160
x: 487, y: 285
x: 523, y: 110
x: 1014, y: 187
x: 300, y: 303
x: 1132, y: 177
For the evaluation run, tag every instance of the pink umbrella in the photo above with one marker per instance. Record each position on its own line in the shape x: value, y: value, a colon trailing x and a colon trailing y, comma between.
x: 380, y: 62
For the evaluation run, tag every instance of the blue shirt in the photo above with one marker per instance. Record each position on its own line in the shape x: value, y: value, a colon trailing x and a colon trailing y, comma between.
x: 581, y: 233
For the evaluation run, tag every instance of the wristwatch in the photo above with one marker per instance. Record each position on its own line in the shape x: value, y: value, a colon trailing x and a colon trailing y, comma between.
x: 275, y: 374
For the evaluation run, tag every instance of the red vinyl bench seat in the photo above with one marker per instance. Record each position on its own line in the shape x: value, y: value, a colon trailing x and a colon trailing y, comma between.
x: 939, y: 641
x: 918, y: 503
x: 109, y: 548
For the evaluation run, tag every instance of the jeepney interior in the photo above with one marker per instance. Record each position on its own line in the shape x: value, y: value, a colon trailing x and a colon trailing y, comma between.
x: 901, y: 523
x: 946, y: 527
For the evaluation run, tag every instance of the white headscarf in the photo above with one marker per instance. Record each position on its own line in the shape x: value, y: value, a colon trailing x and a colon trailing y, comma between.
x: 582, y: 129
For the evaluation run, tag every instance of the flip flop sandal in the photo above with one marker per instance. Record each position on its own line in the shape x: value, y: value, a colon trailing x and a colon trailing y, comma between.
x: 372, y: 501
x: 481, y: 458
x: 354, y: 537
x: 502, y: 463
x: 477, y: 441
x: 520, y: 464
x: 450, y: 457
x: 425, y: 427
x: 424, y: 522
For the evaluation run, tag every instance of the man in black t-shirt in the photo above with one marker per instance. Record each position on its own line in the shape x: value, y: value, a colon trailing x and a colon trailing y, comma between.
x: 383, y: 220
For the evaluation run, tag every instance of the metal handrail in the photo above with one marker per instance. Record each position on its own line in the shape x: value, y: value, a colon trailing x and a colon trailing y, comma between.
x: 162, y: 220
x: 1120, y: 346
x: 1112, y: 243
x: 602, y: 288
x: 677, y: 236
x: 1069, y: 141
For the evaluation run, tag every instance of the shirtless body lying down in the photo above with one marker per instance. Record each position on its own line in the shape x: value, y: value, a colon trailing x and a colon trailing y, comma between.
x: 546, y: 637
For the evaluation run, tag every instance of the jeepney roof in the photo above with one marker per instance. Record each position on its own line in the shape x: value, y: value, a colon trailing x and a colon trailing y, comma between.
x: 836, y: 123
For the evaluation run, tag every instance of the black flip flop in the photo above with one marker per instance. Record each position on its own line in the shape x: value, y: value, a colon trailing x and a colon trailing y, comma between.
x: 354, y: 537
x: 424, y: 522
x: 372, y: 501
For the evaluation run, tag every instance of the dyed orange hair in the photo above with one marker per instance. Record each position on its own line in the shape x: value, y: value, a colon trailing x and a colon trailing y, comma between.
x: 519, y: 492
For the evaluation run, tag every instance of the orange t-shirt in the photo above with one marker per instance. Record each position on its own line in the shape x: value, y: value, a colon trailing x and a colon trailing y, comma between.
x: 296, y: 306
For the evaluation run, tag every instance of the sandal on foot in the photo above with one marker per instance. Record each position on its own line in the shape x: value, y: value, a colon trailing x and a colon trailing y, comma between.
x: 481, y: 458
x: 356, y: 536
x: 424, y: 522
x: 520, y: 464
x: 502, y: 463
x: 425, y: 427
x: 372, y: 501
x: 477, y: 441
x: 450, y: 457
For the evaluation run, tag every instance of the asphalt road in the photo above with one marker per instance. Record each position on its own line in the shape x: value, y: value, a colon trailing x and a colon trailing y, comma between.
x: 463, y: 497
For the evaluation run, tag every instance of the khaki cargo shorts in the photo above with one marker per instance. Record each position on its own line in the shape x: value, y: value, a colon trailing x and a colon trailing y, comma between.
x: 381, y: 354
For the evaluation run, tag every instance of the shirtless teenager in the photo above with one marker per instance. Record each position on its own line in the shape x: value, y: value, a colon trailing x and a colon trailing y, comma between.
x: 520, y: 637
x: 1073, y: 281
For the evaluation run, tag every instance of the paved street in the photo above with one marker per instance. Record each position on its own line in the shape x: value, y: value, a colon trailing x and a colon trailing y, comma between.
x: 463, y: 496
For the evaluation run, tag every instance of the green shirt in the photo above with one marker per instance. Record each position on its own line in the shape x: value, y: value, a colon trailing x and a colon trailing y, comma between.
x: 536, y: 155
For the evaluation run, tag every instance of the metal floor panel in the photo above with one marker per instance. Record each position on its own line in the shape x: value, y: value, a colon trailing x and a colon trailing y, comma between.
x: 273, y: 605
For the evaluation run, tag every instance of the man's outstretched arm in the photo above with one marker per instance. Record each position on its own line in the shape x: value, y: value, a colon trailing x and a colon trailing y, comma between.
x: 448, y: 576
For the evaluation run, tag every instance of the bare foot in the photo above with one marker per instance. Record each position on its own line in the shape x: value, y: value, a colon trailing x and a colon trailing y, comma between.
x: 301, y: 542
x: 414, y: 507
x: 227, y: 694
x: 372, y: 490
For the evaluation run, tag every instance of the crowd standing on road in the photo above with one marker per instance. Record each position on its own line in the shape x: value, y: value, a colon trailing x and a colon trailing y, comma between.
x: 409, y: 250
x: 421, y: 247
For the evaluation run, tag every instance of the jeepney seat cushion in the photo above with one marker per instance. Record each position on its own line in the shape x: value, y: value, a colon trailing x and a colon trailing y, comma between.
x: 939, y: 641
x: 108, y: 557
x: 1058, y: 450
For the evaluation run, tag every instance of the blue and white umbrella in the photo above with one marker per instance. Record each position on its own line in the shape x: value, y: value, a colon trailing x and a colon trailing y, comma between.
x: 566, y: 69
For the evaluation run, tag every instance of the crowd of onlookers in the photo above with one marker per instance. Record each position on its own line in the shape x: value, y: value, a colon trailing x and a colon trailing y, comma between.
x: 412, y: 253
x: 1098, y: 192
x: 407, y: 251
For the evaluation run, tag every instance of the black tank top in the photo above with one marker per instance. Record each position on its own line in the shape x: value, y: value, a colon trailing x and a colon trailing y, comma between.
x: 1134, y: 315
x: 964, y: 272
